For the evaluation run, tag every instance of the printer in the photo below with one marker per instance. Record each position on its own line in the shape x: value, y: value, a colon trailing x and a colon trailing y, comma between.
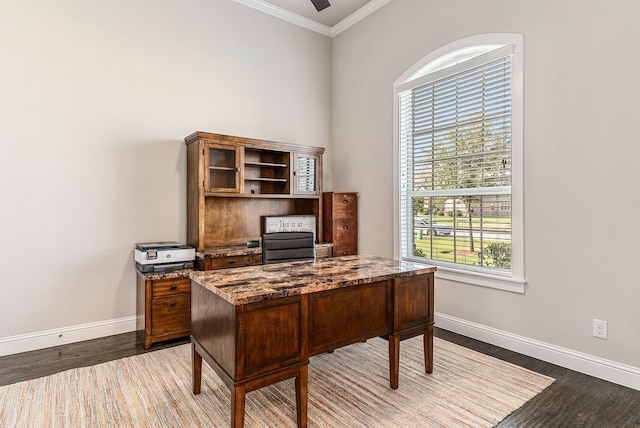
x: 163, y: 256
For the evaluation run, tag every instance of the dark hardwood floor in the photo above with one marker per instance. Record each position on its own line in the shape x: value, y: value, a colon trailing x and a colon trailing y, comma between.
x: 574, y: 399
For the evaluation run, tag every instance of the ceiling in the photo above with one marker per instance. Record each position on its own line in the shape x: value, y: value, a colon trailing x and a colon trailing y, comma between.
x: 330, y: 16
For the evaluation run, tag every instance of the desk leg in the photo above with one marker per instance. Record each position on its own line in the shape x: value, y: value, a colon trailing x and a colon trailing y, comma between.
x: 196, y: 369
x: 301, y: 396
x: 394, y: 360
x: 237, y: 406
x: 428, y: 349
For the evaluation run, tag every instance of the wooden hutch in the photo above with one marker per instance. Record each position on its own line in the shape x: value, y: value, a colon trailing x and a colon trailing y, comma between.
x: 234, y: 182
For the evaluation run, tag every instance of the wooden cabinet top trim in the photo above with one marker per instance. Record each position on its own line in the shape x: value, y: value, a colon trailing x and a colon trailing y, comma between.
x: 251, y: 143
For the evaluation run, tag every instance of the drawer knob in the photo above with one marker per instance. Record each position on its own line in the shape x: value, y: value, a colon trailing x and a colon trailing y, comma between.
x: 345, y: 227
x: 173, y: 303
x: 345, y: 201
x: 173, y: 287
x: 232, y: 262
x: 344, y: 253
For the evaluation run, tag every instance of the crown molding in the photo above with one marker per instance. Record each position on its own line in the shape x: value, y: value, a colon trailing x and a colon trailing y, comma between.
x: 310, y: 24
x: 356, y: 16
x: 288, y: 16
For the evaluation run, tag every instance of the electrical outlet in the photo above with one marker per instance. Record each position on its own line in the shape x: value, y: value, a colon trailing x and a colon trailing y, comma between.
x: 599, y: 329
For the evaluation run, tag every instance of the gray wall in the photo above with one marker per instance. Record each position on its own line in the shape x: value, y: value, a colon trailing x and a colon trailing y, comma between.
x: 580, y: 153
x: 96, y: 98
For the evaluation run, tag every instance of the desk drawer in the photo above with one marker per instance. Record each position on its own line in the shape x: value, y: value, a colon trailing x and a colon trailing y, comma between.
x: 229, y: 262
x: 171, y: 314
x: 169, y: 287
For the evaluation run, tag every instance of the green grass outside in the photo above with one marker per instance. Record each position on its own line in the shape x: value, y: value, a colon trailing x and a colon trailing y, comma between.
x: 442, y: 248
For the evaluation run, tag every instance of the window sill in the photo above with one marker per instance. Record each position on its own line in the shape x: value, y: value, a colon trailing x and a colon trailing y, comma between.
x: 474, y: 278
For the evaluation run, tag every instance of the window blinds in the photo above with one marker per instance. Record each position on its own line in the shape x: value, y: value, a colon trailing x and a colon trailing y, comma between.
x: 455, y: 144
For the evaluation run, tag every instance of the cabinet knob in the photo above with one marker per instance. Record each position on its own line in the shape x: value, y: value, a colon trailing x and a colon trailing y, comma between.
x: 344, y: 253
x: 345, y: 201
x: 345, y: 227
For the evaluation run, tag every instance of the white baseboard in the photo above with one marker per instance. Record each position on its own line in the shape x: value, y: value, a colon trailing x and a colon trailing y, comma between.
x: 611, y: 371
x: 62, y: 336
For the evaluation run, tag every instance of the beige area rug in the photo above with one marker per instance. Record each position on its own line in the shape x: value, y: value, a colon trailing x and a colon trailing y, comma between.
x: 347, y: 388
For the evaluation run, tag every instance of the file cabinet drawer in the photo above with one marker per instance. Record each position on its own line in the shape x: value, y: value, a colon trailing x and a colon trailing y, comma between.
x: 171, y: 314
x: 168, y: 287
x: 344, y: 205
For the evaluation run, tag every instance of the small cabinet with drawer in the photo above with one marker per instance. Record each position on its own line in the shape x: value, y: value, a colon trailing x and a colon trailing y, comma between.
x: 340, y: 215
x: 163, y: 306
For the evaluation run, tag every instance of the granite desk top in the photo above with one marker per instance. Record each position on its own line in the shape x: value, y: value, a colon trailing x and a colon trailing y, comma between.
x: 229, y: 251
x: 266, y: 282
x: 172, y: 274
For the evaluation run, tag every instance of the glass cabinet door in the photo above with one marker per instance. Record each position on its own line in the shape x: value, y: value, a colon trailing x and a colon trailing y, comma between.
x: 305, y: 174
x: 222, y: 165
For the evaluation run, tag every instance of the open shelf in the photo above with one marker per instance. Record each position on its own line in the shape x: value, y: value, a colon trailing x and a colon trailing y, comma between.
x: 266, y: 172
x: 266, y: 165
x: 277, y: 180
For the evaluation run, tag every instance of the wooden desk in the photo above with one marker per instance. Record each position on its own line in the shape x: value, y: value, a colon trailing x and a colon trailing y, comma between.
x: 258, y: 325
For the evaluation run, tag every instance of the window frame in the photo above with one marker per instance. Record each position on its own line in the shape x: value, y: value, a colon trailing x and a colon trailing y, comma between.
x: 516, y: 281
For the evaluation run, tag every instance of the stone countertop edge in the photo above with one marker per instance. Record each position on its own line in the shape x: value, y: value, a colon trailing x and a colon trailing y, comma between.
x: 230, y: 251
x: 172, y: 274
x: 239, y: 285
x: 238, y: 250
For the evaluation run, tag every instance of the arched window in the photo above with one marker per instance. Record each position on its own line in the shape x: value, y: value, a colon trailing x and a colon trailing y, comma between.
x: 458, y: 139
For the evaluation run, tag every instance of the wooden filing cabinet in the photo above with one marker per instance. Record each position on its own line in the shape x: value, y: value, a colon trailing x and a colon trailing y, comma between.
x: 163, y: 306
x: 340, y: 216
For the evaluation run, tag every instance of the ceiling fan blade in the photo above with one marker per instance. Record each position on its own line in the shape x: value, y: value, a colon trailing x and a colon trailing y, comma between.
x: 320, y: 4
